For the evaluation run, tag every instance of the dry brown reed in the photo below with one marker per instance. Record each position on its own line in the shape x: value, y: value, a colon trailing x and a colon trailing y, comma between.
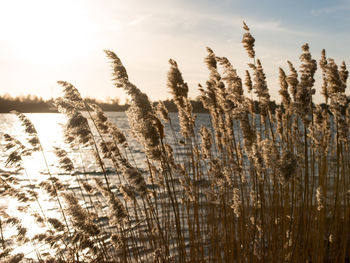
x: 255, y: 184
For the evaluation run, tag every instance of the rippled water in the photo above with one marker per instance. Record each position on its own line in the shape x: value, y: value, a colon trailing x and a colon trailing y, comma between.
x: 50, y: 131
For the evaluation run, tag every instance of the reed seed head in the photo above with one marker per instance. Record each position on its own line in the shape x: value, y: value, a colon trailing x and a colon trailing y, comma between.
x: 248, y: 41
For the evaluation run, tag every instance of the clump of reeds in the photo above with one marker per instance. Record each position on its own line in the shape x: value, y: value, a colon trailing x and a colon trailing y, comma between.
x: 255, y: 184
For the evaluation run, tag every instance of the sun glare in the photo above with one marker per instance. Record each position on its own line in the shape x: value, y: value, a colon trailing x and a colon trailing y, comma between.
x: 42, y: 31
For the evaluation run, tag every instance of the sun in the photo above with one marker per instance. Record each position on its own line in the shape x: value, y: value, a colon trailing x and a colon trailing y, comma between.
x: 43, y: 31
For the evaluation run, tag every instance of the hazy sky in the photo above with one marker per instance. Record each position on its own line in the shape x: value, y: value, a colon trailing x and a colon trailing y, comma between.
x: 42, y: 41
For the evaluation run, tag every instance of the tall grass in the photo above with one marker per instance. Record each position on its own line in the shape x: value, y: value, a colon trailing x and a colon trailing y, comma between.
x: 254, y: 185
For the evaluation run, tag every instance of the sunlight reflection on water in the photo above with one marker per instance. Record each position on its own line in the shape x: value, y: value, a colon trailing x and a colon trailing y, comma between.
x: 50, y: 131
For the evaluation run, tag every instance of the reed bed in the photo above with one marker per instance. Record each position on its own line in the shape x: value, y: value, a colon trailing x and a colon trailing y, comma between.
x: 254, y: 185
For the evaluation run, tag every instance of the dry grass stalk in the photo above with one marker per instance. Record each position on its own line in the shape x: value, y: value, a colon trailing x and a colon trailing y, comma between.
x: 257, y: 185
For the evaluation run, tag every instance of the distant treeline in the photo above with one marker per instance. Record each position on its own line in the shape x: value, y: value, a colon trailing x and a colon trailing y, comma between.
x: 27, y: 103
x: 32, y: 103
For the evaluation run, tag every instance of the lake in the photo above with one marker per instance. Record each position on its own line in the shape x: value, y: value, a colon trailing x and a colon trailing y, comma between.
x: 50, y: 128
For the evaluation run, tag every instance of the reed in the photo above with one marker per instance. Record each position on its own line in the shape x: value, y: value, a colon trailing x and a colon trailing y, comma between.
x: 255, y: 184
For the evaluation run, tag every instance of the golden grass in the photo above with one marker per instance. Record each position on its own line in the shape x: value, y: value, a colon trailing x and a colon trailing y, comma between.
x: 255, y: 185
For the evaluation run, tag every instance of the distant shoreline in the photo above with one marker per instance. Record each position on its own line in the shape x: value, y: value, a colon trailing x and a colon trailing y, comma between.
x: 33, y: 104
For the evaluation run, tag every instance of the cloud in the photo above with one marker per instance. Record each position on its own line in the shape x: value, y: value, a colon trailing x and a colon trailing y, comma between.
x: 331, y: 9
x: 276, y: 26
x: 203, y: 20
x: 140, y: 19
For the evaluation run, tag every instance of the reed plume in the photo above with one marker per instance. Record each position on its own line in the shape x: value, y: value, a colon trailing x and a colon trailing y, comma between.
x: 143, y: 122
x: 248, y: 41
x: 250, y: 183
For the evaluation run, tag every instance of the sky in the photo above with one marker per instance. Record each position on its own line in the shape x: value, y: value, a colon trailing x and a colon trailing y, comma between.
x: 43, y: 41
